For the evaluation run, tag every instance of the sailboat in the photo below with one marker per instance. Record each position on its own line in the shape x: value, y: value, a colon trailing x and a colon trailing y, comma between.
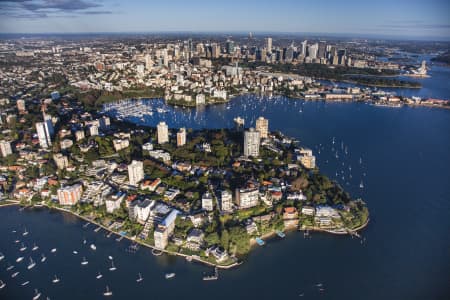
x: 140, y: 278
x: 112, y: 268
x: 55, y: 280
x: 53, y: 250
x: 107, y: 293
x: 22, y: 248
x: 31, y: 265
x: 99, y: 275
x: 35, y: 247
x: 19, y: 259
x: 25, y: 232
x: 2, y: 285
x: 43, y: 258
x: 15, y: 274
x: 10, y: 267
x: 2, y: 256
x: 361, y: 185
x: 37, y: 294
x: 25, y: 283
x: 84, y: 262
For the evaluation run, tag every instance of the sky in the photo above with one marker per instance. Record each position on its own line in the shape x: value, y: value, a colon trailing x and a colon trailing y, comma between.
x: 423, y: 19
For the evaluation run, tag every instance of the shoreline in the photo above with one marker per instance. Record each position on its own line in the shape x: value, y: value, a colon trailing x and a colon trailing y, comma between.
x: 252, y: 241
x: 192, y: 257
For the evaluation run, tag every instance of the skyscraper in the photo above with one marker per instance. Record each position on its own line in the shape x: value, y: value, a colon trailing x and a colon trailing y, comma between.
x: 269, y: 44
x: 163, y: 133
x: 226, y: 201
x: 322, y: 49
x: 43, y: 134
x: 181, y: 137
x: 304, y: 45
x: 135, y: 172
x: 262, y: 126
x: 312, y: 51
x: 251, y: 142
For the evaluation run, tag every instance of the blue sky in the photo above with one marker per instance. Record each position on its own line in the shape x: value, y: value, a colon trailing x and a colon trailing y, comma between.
x: 401, y: 18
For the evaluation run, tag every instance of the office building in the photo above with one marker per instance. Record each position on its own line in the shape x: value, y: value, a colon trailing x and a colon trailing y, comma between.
x: 262, y: 126
x: 163, y: 133
x: 135, y: 172
x: 61, y: 161
x: 251, y: 142
x: 269, y: 44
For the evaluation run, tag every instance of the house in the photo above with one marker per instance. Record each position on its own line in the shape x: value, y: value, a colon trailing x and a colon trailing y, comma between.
x: 308, y: 210
x: 290, y: 217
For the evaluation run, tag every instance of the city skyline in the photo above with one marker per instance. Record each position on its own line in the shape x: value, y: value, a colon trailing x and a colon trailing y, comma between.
x: 399, y: 19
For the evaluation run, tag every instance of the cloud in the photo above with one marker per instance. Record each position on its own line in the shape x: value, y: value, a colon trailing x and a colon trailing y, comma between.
x: 50, y: 8
x: 413, y: 24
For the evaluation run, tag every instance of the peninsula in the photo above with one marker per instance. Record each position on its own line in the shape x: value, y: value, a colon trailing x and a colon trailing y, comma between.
x: 204, y: 194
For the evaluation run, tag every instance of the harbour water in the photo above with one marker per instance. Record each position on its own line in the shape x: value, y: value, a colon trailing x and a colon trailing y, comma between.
x: 404, y: 155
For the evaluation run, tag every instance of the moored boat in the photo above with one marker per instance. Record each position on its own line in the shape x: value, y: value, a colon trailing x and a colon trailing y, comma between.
x: 169, y: 275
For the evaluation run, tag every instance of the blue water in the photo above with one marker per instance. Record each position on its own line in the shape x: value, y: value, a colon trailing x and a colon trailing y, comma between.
x: 405, y: 156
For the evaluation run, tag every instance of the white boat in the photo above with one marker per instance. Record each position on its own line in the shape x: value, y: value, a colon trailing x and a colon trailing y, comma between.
x: 140, y: 278
x: 2, y: 285
x: 15, y: 274
x: 75, y: 252
x: 31, y: 265
x: 25, y: 283
x: 17, y: 241
x: 43, y: 258
x: 19, y: 259
x: 25, y: 232
x: 53, y: 250
x: 35, y: 247
x: 110, y: 257
x: 99, y: 275
x: 361, y: 185
x: 37, y: 294
x: 93, y: 247
x: 84, y: 262
x: 170, y: 275
x: 107, y: 293
x: 1, y: 256
x: 22, y: 248
x: 10, y: 268
x: 112, y: 268
x: 55, y: 280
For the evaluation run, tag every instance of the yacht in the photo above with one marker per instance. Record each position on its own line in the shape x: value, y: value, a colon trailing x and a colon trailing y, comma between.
x: 31, y: 265
x: 43, y: 258
x: 110, y: 257
x: 25, y: 283
x: 170, y: 275
x: 84, y: 262
x: 112, y: 268
x: 93, y: 247
x: 37, y: 294
x: 35, y: 247
x: 17, y: 241
x: 25, y: 232
x: 99, y: 275
x: 19, y: 259
x: 2, y: 285
x: 107, y: 293
x: 55, y: 280
x: 75, y: 252
x: 140, y: 278
x: 22, y: 248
